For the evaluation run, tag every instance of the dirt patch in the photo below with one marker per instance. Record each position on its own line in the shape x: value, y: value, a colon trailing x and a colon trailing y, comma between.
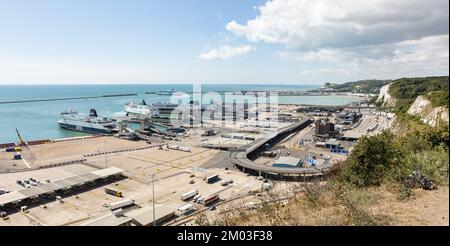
x: 430, y: 208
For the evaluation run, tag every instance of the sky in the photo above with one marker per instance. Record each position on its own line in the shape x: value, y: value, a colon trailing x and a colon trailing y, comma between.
x: 221, y: 41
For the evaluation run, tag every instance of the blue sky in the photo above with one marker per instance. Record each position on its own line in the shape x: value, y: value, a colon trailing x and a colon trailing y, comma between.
x: 220, y: 41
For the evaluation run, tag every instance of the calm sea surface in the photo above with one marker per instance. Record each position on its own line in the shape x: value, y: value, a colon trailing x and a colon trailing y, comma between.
x: 37, y: 120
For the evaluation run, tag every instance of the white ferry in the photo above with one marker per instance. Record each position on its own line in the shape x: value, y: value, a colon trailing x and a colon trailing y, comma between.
x: 138, y: 109
x: 91, y: 123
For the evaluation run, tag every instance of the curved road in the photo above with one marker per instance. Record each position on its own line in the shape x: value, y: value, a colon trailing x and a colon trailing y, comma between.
x: 240, y: 158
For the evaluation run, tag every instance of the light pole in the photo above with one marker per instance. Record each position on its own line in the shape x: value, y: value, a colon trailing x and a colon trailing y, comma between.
x: 153, y: 198
x: 106, y: 159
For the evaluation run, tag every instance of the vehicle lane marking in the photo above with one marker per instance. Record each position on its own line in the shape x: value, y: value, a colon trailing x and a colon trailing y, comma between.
x: 26, y: 163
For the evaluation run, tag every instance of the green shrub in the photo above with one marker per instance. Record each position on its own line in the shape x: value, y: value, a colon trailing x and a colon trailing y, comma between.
x: 438, y: 98
x: 406, y: 90
x: 385, y: 156
x: 371, y: 159
x: 434, y: 164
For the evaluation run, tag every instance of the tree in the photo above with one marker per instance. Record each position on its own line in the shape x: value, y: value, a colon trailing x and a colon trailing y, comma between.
x: 371, y: 160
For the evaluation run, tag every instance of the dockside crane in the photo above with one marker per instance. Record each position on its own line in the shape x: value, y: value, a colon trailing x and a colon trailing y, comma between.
x: 24, y: 143
x: 21, y: 141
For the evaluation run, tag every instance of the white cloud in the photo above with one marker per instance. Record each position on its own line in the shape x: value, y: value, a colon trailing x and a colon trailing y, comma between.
x: 226, y: 51
x: 342, y: 37
x: 307, y: 24
x: 424, y: 57
x: 326, y: 72
x: 323, y: 55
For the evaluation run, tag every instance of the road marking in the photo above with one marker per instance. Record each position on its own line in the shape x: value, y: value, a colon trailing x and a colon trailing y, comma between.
x: 26, y: 163
x: 65, y: 203
x: 35, y: 219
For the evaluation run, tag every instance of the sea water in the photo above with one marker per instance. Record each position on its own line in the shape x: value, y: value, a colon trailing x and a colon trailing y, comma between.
x: 37, y: 120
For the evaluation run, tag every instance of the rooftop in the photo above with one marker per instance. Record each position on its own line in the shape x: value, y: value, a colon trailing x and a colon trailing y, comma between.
x: 291, y: 161
x: 352, y: 135
x: 144, y: 215
x: 332, y: 141
x: 109, y: 220
x: 17, y: 196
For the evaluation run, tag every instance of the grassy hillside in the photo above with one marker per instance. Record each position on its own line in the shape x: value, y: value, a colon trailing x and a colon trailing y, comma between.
x: 362, y: 86
x: 371, y: 182
x: 365, y: 188
x: 406, y: 90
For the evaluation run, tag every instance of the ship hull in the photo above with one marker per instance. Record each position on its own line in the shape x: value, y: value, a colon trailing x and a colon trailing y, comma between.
x: 84, y: 129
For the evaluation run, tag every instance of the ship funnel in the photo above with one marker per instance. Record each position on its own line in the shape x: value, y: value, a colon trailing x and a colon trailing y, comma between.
x: 93, y: 113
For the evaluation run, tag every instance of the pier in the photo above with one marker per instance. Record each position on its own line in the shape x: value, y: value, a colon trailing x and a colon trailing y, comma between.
x: 67, y: 98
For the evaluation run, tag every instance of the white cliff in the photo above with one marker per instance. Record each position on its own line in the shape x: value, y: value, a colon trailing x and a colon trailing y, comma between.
x: 428, y: 114
x: 384, y: 97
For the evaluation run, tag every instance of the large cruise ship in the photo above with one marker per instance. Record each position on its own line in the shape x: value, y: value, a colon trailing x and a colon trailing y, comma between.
x: 91, y: 123
x: 138, y: 109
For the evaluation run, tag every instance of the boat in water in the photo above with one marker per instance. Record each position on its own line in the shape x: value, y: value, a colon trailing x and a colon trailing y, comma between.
x: 167, y: 92
x: 132, y: 108
x: 92, y: 123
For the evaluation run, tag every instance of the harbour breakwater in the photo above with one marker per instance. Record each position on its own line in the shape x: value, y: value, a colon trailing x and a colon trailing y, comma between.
x: 67, y: 98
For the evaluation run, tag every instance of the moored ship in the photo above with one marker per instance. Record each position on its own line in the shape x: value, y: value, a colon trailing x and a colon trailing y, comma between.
x: 132, y: 108
x: 92, y: 123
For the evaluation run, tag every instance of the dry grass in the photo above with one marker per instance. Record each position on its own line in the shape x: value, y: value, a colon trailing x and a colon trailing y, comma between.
x: 314, y: 204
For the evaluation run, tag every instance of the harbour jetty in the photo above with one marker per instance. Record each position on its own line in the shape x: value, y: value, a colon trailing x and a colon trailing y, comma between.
x: 67, y: 98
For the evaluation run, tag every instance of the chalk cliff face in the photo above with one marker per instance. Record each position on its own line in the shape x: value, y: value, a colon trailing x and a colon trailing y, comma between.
x: 430, y: 115
x: 384, y: 97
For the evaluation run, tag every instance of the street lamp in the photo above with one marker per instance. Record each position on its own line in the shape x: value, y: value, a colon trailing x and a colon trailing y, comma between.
x: 153, y: 198
x: 106, y: 158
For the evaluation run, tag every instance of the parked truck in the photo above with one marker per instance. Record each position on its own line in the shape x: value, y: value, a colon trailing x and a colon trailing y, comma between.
x: 121, y: 204
x: 185, y: 209
x: 210, y: 200
x: 174, y: 147
x: 17, y: 156
x: 113, y: 192
x: 185, y: 149
x: 212, y: 178
x: 188, y: 195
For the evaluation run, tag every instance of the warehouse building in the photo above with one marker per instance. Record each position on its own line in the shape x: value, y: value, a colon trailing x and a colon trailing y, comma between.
x: 325, y: 129
x: 288, y: 162
x: 144, y: 216
x: 332, y: 144
x: 41, y: 193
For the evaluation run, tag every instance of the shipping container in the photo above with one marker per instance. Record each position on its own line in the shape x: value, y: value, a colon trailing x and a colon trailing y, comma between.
x: 210, y: 200
x: 185, y: 149
x: 185, y: 209
x: 171, y: 146
x: 188, y: 195
x: 121, y: 204
x: 212, y: 178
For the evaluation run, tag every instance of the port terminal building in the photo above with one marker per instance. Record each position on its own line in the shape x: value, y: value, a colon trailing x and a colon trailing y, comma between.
x: 36, y: 194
